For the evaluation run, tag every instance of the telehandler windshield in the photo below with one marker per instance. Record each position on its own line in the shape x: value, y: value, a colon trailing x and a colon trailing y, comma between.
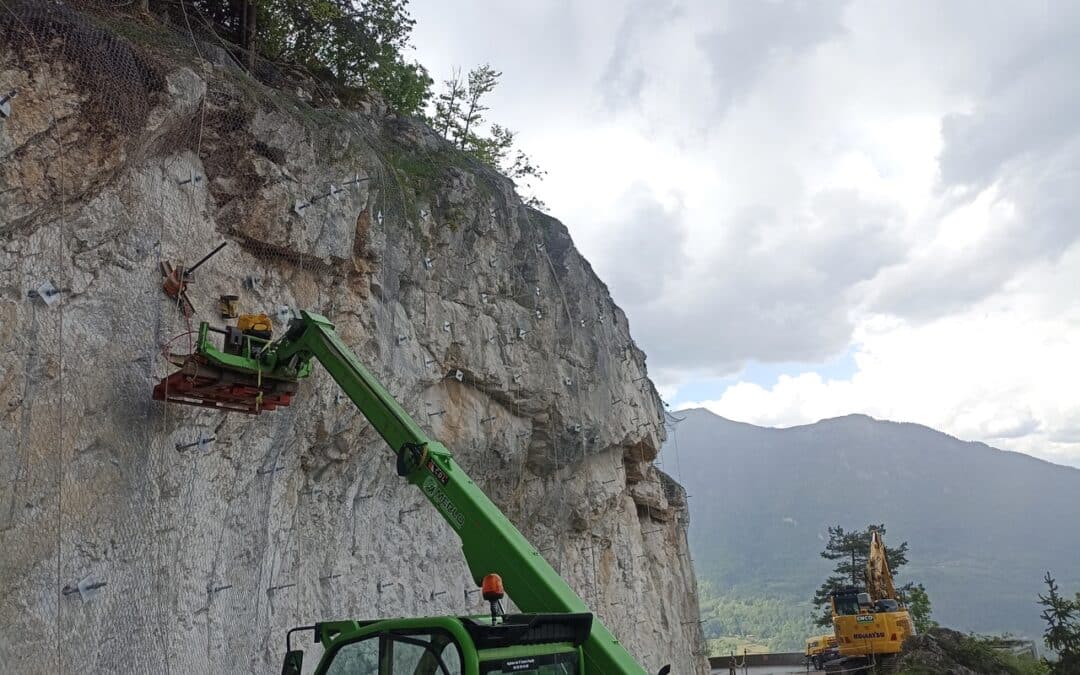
x: 415, y: 653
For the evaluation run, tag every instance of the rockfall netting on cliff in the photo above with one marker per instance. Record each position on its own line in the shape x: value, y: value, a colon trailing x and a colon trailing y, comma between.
x: 143, y: 537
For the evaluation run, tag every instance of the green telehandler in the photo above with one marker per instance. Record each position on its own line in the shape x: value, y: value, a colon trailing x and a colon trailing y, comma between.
x: 554, y: 635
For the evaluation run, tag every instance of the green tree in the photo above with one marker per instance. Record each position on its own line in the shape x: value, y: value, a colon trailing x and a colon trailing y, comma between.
x: 850, y: 551
x: 493, y: 148
x: 1062, y: 617
x: 459, y: 116
x: 481, y: 82
x: 405, y: 86
x: 526, y: 173
x: 918, y: 605
x: 447, y: 115
x: 349, y: 42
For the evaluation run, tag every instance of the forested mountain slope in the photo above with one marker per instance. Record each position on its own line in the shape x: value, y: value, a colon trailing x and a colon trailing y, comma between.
x: 983, y: 524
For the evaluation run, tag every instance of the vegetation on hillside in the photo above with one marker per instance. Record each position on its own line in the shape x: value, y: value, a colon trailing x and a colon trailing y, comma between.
x: 362, y: 45
x: 347, y: 43
x: 733, y: 623
x: 942, y: 651
x: 763, y: 498
x: 459, y: 117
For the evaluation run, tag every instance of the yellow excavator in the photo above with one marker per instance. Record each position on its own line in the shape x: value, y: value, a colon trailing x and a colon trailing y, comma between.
x: 870, y: 626
x: 820, y: 649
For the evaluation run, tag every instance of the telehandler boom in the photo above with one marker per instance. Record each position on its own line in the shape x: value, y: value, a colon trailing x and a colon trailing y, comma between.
x: 555, y: 634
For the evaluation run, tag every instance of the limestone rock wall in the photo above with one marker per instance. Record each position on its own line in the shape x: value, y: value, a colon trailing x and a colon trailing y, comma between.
x: 130, y: 144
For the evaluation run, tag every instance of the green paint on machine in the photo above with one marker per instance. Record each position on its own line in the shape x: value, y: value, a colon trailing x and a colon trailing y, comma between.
x: 555, y: 620
x: 443, y: 503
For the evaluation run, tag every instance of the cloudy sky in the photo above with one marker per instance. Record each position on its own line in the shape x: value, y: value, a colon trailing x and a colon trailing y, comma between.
x: 809, y: 209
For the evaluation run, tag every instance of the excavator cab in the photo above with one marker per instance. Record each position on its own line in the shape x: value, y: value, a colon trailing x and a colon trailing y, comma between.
x: 846, y: 601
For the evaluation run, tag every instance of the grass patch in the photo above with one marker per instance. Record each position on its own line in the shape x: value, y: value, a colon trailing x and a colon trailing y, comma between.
x: 420, y: 178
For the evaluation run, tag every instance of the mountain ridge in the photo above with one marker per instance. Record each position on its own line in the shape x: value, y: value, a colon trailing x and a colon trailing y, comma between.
x: 984, y: 524
x: 706, y: 411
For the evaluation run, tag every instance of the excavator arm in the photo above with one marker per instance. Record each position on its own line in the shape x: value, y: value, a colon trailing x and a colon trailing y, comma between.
x: 489, y: 540
x: 879, y: 580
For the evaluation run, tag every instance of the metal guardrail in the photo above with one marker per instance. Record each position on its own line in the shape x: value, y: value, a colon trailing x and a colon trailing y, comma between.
x: 774, y: 659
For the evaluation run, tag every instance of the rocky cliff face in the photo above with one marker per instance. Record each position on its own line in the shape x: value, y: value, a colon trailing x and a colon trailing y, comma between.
x: 129, y: 145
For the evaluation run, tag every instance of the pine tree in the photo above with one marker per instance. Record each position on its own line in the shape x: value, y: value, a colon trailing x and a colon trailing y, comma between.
x: 1062, y: 617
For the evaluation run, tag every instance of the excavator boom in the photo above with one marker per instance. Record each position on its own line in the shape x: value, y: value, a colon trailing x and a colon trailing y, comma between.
x: 879, y: 581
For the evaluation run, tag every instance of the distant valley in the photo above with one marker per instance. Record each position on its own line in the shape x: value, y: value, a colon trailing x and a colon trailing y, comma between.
x: 983, y: 524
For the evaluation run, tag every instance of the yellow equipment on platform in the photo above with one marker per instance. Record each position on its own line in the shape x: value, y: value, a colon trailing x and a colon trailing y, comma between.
x: 258, y: 325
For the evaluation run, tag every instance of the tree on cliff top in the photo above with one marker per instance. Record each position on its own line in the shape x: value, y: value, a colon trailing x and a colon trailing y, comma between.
x: 362, y: 43
x: 351, y: 42
x: 459, y: 117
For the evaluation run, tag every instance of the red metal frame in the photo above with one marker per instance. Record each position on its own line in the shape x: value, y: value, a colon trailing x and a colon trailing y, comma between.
x: 199, y: 384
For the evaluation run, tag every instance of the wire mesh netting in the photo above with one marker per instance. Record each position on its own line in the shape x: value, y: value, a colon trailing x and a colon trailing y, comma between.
x: 133, y: 144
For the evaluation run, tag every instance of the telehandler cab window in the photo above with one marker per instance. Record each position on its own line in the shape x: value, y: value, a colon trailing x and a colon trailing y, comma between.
x: 356, y: 658
x: 432, y: 654
x: 398, y: 654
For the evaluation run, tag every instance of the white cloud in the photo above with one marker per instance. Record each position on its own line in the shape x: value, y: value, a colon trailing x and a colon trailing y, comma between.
x: 808, y: 177
x: 1004, y: 372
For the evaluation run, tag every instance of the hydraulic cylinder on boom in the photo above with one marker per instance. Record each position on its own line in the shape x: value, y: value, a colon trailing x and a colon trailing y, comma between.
x: 556, y: 632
